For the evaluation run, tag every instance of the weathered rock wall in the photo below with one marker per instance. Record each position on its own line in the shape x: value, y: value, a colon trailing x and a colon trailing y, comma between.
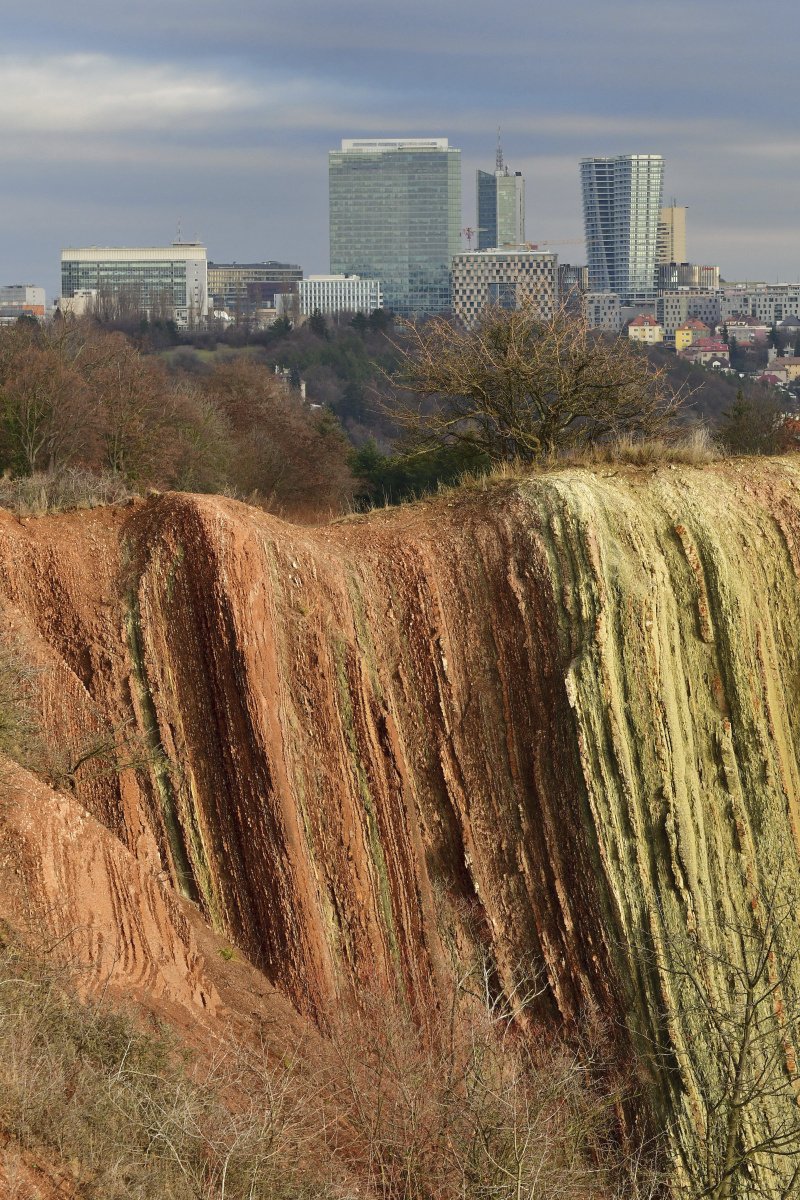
x: 554, y: 720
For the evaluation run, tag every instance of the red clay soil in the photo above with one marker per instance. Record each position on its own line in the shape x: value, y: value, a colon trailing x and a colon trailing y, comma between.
x: 354, y: 745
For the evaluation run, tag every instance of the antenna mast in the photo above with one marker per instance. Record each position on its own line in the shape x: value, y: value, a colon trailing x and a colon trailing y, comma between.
x: 498, y: 158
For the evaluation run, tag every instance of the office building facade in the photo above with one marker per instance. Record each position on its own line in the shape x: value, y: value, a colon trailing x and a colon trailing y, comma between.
x: 334, y: 294
x: 500, y: 207
x: 243, y: 288
x: 395, y: 215
x: 157, y: 281
x: 603, y: 311
x: 21, y: 299
x: 671, y: 242
x: 768, y: 302
x: 671, y: 275
x: 505, y: 278
x: 621, y: 209
x: 675, y: 308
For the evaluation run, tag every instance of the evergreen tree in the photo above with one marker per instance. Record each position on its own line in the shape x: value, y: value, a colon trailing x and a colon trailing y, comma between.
x: 317, y: 324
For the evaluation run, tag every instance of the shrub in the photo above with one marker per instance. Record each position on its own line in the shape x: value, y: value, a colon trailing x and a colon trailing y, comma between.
x: 20, y: 732
x: 459, y: 1107
x: 517, y: 386
x: 118, y: 1111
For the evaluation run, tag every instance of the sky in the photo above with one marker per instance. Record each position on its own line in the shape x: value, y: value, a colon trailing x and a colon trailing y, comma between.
x: 123, y: 124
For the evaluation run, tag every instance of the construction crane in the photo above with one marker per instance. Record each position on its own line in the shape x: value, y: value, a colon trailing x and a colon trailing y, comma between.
x: 469, y: 233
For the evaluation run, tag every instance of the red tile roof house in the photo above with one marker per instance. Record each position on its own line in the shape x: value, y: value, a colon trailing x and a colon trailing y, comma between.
x: 707, y: 352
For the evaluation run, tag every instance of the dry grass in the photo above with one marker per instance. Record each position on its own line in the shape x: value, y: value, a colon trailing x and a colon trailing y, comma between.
x: 20, y: 729
x: 115, y: 1110
x: 68, y: 488
x: 696, y: 448
x: 463, y: 1108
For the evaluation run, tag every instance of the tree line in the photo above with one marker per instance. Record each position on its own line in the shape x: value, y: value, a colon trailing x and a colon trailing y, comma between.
x: 74, y: 395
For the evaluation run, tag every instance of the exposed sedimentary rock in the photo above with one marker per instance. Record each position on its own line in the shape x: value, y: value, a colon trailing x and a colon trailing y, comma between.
x: 557, y: 720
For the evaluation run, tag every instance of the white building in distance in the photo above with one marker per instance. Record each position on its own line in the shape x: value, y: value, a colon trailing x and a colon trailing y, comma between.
x: 333, y: 294
x: 21, y: 299
x: 168, y: 282
x: 621, y: 212
x: 505, y: 278
x: 603, y: 310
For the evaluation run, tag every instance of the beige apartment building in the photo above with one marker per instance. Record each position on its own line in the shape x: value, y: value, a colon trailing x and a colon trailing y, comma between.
x: 603, y: 310
x: 645, y: 329
x: 674, y: 309
x: 671, y: 240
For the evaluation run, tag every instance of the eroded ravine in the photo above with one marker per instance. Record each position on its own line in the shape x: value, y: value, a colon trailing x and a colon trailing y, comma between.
x: 553, y: 721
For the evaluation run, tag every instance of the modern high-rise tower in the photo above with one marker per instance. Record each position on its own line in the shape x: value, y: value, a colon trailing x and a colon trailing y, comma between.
x: 395, y: 216
x: 671, y: 246
x: 621, y: 209
x: 500, y: 205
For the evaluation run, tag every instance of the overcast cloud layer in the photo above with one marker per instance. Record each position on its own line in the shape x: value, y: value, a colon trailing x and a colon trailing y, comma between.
x: 120, y: 121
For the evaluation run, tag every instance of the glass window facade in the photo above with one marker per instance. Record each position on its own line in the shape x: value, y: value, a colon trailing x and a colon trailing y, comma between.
x: 486, y: 209
x: 395, y: 216
x: 501, y: 209
x: 621, y: 209
x: 149, y: 280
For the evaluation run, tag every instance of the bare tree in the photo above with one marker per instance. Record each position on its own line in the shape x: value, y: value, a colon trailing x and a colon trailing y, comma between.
x: 741, y: 1002
x: 518, y: 386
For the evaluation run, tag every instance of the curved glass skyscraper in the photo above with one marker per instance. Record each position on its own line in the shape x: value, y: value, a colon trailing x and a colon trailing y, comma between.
x: 621, y: 207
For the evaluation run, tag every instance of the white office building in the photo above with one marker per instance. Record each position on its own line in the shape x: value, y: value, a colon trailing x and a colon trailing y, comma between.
x: 768, y: 302
x: 334, y: 294
x: 170, y: 282
x: 21, y: 299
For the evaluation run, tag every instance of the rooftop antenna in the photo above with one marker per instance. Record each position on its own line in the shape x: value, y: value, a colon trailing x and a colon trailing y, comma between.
x: 498, y: 158
x: 179, y: 237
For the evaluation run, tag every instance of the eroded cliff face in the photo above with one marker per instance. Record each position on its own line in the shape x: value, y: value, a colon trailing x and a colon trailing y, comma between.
x: 554, y: 721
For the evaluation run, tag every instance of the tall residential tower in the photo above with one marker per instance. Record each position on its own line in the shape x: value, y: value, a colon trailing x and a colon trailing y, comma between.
x: 395, y: 216
x: 621, y: 209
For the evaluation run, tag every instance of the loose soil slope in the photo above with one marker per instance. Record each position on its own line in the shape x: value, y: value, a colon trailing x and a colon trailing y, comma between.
x: 555, y: 720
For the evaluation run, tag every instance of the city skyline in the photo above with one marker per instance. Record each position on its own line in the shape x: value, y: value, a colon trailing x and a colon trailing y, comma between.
x: 119, y: 124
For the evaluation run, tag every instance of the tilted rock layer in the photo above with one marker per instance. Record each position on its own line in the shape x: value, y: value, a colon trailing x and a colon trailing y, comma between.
x: 553, y: 721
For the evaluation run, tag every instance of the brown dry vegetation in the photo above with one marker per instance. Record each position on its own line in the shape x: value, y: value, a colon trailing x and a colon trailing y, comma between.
x: 95, y: 1104
x: 518, y: 387
x: 78, y: 403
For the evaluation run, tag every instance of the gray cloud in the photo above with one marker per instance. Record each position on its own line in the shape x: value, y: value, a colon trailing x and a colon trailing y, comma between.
x: 117, y: 119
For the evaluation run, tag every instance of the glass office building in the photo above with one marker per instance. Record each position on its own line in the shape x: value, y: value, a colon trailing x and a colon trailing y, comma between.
x: 395, y: 216
x: 244, y: 287
x: 501, y: 209
x: 163, y: 280
x: 621, y: 209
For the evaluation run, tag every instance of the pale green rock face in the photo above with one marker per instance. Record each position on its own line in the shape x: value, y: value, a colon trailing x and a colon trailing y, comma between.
x: 681, y: 600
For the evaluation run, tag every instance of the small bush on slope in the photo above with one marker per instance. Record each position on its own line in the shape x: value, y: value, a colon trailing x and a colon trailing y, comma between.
x: 20, y: 735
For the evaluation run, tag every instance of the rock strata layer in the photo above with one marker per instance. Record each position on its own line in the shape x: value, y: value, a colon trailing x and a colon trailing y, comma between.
x: 553, y: 722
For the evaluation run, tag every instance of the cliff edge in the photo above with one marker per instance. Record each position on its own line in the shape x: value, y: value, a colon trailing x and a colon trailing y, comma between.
x: 553, y: 722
